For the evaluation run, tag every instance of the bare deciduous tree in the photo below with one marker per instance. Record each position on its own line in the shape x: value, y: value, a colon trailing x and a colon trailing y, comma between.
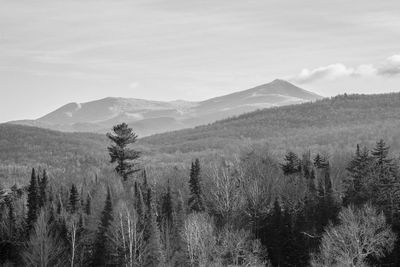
x: 43, y: 249
x: 225, y: 195
x: 129, y: 236
x: 200, y: 239
x: 237, y: 248
x: 361, y: 233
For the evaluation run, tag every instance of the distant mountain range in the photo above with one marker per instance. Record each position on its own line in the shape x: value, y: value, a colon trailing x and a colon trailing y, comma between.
x: 150, y: 117
x: 333, y: 125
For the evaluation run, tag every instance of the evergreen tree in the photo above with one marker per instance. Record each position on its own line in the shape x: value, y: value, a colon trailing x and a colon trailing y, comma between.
x: 153, y: 253
x: 272, y: 237
x: 101, y: 252
x: 88, y: 205
x: 167, y: 223
x: 291, y: 165
x: 384, y: 163
x: 359, y: 168
x: 73, y: 199
x: 139, y: 204
x: 119, y: 152
x: 318, y: 161
x: 386, y: 192
x: 43, y: 189
x: 166, y: 207
x: 196, y: 197
x: 178, y: 240
x: 32, y: 202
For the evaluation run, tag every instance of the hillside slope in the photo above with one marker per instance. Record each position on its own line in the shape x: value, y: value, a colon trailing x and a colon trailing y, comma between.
x: 329, y: 123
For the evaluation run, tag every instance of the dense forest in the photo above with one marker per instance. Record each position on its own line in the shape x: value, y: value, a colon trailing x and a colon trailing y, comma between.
x: 254, y: 208
x: 330, y: 124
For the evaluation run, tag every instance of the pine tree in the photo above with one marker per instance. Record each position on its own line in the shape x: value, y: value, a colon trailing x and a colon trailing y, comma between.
x: 292, y: 164
x: 384, y: 163
x: 167, y: 222
x: 43, y: 189
x: 88, y: 205
x: 387, y: 189
x: 272, y: 234
x: 327, y: 178
x: 73, y: 199
x: 196, y: 197
x: 153, y: 253
x: 318, y: 161
x: 358, y: 168
x: 32, y: 202
x: 178, y: 240
x: 166, y: 207
x: 101, y: 251
x: 119, y: 152
x: 139, y: 204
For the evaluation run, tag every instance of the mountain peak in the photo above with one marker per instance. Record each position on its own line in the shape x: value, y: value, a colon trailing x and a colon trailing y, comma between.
x: 280, y: 81
x: 150, y: 116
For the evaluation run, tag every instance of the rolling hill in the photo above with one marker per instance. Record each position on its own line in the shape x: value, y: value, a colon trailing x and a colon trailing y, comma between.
x: 150, y: 117
x: 330, y: 124
x: 334, y: 125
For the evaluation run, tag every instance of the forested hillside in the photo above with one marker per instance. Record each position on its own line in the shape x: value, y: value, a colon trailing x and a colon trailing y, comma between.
x: 329, y: 124
x: 23, y: 147
x: 309, y: 209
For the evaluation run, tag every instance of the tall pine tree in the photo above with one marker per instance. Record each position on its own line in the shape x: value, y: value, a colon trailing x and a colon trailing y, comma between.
x: 32, y: 202
x: 196, y: 197
x: 101, y: 253
x: 292, y: 164
x: 153, y: 252
x: 73, y: 199
x: 43, y: 189
x: 123, y: 136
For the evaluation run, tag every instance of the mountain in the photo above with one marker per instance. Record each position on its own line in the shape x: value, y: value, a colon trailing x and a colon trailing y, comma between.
x: 334, y: 125
x: 331, y: 124
x: 150, y: 117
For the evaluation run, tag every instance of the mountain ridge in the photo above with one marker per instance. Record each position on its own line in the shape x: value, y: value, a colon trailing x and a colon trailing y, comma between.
x: 150, y: 116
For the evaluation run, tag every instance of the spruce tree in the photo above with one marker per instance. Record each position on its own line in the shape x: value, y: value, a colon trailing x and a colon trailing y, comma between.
x: 196, y: 198
x: 123, y: 136
x: 43, y: 189
x: 359, y: 169
x: 167, y: 223
x: 88, y: 205
x: 101, y: 253
x: 153, y: 253
x: 276, y: 246
x: 291, y: 165
x: 139, y: 204
x: 166, y: 207
x: 73, y: 199
x: 178, y: 240
x: 384, y: 164
x: 32, y: 202
x: 318, y: 161
x: 387, y: 189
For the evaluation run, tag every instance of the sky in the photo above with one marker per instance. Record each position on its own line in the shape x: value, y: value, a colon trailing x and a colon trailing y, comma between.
x: 53, y: 52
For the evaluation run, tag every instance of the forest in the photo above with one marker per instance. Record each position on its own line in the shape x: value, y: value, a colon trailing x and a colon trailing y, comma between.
x: 254, y: 208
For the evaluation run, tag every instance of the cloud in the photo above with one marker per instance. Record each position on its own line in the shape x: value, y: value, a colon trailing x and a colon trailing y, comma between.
x: 389, y: 67
x: 331, y: 72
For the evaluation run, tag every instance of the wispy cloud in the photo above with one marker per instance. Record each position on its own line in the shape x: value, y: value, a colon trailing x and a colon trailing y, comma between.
x: 389, y: 67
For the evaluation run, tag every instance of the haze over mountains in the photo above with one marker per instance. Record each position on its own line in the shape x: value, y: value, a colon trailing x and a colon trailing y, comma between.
x: 150, y: 117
